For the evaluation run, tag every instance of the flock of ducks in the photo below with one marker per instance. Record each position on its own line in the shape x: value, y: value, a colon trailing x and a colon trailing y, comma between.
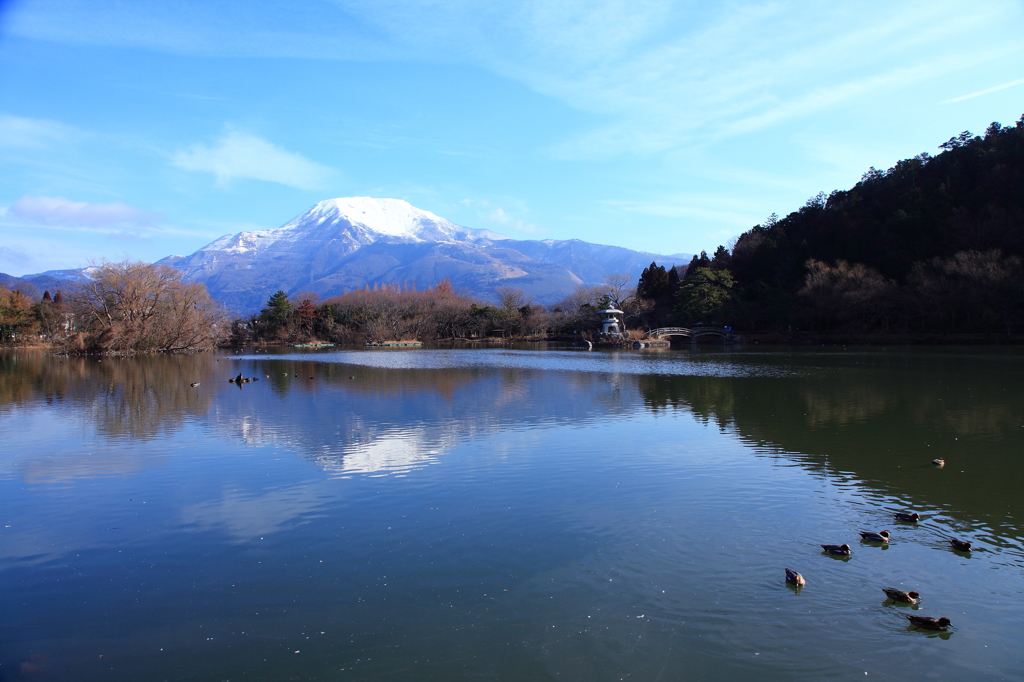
x: 912, y: 597
x: 245, y: 380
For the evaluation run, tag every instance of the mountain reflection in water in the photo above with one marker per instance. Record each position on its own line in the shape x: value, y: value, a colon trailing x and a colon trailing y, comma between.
x: 508, y: 514
x: 872, y: 416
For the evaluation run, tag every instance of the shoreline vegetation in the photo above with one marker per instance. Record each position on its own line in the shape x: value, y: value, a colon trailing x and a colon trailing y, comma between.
x: 930, y: 251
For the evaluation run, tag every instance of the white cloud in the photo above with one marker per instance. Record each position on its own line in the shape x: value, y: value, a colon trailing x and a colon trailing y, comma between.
x: 706, y: 208
x: 242, y: 155
x: 986, y: 91
x: 63, y: 212
x: 14, y: 256
x: 499, y: 218
x: 34, y: 133
x: 664, y: 74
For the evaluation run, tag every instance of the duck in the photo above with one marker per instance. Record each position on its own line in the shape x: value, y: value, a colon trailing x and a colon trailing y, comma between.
x: 911, y: 597
x: 195, y: 384
x: 794, y: 578
x: 231, y: 380
x: 939, y: 462
x: 961, y: 545
x: 929, y: 623
x: 912, y: 517
x: 871, y: 536
x: 837, y: 549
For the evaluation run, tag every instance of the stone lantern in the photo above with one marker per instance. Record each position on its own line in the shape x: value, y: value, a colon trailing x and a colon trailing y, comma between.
x: 611, y: 326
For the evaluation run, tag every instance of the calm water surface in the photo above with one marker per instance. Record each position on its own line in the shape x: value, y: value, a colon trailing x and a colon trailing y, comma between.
x: 509, y: 515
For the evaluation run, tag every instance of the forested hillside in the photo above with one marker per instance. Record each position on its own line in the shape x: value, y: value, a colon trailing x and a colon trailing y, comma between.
x: 933, y: 244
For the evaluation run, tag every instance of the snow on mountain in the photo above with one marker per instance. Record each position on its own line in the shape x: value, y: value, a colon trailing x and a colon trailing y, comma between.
x: 391, y: 217
x: 365, y: 218
x: 347, y: 243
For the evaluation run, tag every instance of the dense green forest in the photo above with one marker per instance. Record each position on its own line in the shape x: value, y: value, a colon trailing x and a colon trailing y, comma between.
x: 934, y: 244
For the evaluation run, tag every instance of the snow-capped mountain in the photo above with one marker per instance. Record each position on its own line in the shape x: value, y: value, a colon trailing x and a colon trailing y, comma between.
x: 346, y: 243
x: 355, y: 221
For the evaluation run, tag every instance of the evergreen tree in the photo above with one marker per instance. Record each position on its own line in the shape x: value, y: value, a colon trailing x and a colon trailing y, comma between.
x: 703, y: 292
x: 277, y: 311
x: 653, y: 282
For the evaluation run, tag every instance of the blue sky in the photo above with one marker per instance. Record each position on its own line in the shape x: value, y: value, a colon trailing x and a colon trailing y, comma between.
x: 140, y: 130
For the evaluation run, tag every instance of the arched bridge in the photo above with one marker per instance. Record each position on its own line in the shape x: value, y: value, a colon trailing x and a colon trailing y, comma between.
x: 693, y: 333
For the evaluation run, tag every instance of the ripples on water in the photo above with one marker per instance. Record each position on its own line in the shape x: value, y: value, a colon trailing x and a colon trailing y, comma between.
x: 567, y: 361
x: 509, y: 515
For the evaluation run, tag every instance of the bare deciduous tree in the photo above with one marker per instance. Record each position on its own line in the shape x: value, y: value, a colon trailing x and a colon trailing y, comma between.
x: 618, y: 287
x: 511, y: 300
x: 133, y: 306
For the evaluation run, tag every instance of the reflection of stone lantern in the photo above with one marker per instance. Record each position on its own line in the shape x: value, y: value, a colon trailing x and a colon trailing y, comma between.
x: 612, y: 326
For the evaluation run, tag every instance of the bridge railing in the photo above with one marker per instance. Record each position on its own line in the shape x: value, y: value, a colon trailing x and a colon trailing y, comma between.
x: 685, y: 331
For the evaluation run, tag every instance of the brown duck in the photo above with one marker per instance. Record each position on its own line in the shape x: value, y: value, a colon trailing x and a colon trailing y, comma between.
x: 911, y: 597
x: 794, y: 578
x: 871, y: 536
x: 929, y: 623
x: 837, y: 549
x: 960, y: 545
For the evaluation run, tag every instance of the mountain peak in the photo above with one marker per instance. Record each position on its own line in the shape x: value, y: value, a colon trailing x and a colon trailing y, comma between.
x: 346, y: 243
x: 391, y: 217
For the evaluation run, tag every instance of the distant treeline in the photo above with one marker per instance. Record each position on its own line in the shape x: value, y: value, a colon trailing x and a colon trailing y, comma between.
x: 934, y: 244
x: 396, y: 313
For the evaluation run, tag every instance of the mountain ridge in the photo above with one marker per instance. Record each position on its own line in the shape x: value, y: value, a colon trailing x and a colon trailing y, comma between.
x: 350, y: 242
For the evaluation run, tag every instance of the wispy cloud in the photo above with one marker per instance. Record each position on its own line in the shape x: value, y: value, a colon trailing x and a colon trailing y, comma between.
x: 751, y: 67
x: 242, y: 155
x: 500, y: 219
x: 14, y: 256
x: 658, y: 74
x: 34, y: 133
x: 58, y: 211
x: 706, y: 208
x: 986, y: 91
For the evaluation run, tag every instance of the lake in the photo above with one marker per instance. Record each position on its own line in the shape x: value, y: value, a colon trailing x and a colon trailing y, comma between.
x: 510, y: 514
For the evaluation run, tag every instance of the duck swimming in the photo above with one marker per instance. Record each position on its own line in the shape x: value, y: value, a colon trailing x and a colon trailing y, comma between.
x: 912, y: 517
x: 794, y: 578
x: 911, y: 597
x: 961, y: 545
x: 837, y: 549
x: 871, y: 536
x: 939, y: 462
x: 929, y: 623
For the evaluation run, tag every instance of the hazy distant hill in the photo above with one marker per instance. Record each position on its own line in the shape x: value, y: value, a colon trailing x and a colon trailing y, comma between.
x: 33, y: 286
x: 347, y: 243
